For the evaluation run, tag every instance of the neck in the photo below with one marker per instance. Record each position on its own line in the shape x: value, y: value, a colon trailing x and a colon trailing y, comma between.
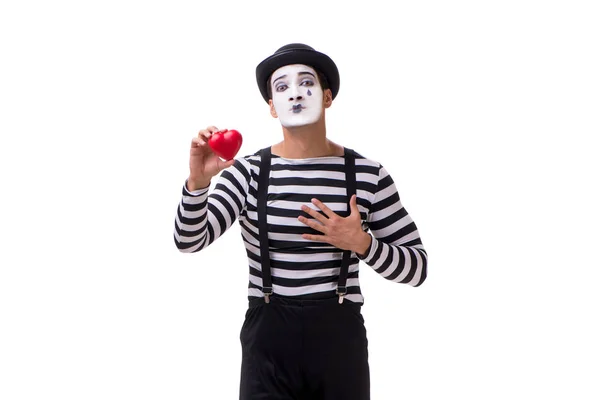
x: 307, y: 142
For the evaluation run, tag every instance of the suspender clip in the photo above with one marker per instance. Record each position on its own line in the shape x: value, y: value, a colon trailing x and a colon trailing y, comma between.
x: 267, y: 291
x: 341, y: 291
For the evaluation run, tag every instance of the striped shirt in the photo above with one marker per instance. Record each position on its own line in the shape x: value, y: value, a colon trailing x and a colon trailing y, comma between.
x: 302, y: 268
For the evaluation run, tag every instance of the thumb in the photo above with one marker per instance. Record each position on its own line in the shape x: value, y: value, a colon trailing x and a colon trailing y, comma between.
x: 353, y: 206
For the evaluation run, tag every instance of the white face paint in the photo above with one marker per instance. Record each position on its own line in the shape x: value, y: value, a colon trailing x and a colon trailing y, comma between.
x: 297, y: 95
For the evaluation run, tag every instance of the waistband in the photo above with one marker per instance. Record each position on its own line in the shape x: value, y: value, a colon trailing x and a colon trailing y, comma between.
x: 295, y: 302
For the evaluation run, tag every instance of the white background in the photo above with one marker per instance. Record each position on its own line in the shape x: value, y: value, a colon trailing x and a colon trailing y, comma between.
x: 483, y: 112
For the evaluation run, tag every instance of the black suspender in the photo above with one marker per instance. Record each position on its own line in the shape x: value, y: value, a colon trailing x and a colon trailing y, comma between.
x: 349, y: 168
x: 263, y: 229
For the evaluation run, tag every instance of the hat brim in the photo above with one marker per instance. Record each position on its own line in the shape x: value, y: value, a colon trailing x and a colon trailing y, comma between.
x: 312, y: 58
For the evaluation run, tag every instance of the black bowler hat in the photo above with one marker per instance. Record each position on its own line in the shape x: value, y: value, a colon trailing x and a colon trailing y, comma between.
x: 297, y: 53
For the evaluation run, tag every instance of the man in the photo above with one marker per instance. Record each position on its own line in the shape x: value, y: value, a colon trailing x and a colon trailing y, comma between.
x: 305, y: 207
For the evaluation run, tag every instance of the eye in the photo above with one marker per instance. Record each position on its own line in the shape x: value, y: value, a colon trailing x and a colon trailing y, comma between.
x: 280, y: 88
x: 307, y: 82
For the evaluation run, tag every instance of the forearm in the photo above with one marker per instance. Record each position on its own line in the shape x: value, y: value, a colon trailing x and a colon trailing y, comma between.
x: 398, y: 263
x: 396, y: 252
x: 202, y: 218
x: 190, y: 233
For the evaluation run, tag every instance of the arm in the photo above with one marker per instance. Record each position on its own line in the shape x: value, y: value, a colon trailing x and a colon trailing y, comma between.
x: 202, y: 217
x: 396, y: 251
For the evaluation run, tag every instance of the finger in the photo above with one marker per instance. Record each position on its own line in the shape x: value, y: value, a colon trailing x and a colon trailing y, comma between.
x: 323, y: 208
x: 197, y: 142
x: 313, y: 224
x: 315, y: 214
x: 212, y: 129
x: 204, y: 134
x: 315, y: 238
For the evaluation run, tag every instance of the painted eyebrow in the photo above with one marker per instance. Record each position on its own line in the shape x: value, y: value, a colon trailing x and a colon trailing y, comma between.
x: 281, y: 77
x: 300, y: 73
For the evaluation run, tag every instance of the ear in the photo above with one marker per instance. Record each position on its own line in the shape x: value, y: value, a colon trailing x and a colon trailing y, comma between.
x: 272, y: 108
x: 327, y: 98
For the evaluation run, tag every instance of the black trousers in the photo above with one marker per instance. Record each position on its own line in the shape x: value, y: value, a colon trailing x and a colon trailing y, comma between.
x: 304, y: 349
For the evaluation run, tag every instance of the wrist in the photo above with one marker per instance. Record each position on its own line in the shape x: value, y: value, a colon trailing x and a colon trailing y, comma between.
x: 365, y: 245
x: 195, y: 184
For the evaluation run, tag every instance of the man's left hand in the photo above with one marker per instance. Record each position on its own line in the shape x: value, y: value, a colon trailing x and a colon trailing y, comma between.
x: 343, y: 233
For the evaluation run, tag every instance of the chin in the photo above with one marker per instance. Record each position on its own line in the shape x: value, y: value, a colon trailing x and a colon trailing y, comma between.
x: 299, y: 124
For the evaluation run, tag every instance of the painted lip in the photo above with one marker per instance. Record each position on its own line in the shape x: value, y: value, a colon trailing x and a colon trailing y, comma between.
x: 296, y: 108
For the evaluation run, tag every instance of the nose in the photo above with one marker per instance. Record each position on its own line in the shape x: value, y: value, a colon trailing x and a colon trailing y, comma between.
x: 295, y: 93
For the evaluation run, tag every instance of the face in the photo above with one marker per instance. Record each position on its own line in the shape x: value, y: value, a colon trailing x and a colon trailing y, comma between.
x: 297, y: 95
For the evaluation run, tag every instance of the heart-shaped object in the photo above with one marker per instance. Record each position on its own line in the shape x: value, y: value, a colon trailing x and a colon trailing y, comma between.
x: 225, y: 143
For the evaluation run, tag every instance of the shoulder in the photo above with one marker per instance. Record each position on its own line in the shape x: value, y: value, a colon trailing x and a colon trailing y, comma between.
x: 366, y: 165
x: 375, y: 173
x: 249, y: 164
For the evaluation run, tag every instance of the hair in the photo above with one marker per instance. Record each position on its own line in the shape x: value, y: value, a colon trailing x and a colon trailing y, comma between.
x: 322, y: 81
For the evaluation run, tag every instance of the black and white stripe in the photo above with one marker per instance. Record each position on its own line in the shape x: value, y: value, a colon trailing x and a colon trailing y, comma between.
x: 302, y: 268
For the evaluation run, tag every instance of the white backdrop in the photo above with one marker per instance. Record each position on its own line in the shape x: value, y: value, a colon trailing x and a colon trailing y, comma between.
x: 483, y: 112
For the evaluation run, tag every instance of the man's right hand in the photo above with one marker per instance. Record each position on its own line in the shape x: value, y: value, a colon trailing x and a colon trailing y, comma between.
x: 204, y: 163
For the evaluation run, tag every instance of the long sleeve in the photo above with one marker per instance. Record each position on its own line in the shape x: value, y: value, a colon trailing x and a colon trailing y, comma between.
x: 202, y: 218
x: 396, y: 251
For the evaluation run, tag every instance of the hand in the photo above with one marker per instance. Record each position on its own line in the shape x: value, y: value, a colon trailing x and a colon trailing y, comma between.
x: 204, y: 163
x: 343, y: 233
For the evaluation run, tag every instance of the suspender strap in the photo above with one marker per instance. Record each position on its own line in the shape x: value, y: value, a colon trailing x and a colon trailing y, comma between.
x: 263, y: 228
x: 350, y: 169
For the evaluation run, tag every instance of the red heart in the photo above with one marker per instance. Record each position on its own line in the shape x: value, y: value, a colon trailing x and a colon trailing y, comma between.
x: 225, y: 143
